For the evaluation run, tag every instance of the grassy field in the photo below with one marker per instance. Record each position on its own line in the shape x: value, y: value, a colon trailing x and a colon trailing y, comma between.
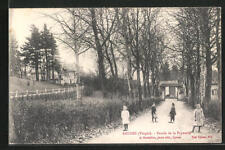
x: 20, y: 85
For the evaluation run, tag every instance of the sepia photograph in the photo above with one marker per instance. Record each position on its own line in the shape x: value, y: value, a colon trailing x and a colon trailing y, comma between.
x: 114, y: 75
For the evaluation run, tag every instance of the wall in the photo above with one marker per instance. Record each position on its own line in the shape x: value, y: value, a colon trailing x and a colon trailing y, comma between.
x: 214, y: 94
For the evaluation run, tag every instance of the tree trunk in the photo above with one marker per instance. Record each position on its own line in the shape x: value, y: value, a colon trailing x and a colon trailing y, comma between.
x: 47, y: 65
x: 208, y: 81
x: 139, y: 85
x: 218, y: 53
x: 144, y: 84
x: 114, y: 61
x: 193, y: 98
x: 138, y: 66
x: 25, y: 70
x: 109, y: 61
x: 198, y: 72
x: 36, y: 71
x: 101, y: 67
x: 53, y: 72
x: 206, y: 34
x: 128, y: 51
x: 78, y: 77
x: 148, y: 85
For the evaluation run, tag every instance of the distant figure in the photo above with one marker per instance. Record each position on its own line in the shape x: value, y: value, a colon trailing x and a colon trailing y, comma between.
x: 125, y: 115
x: 154, y: 116
x: 172, y: 113
x: 198, y: 118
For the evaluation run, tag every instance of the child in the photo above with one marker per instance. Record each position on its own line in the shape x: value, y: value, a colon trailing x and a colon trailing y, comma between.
x: 154, y: 116
x: 125, y: 115
x: 172, y: 113
x: 199, y: 118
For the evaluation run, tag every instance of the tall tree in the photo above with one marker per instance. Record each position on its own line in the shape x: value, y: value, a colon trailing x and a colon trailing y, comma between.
x: 188, y: 46
x: 74, y: 28
x: 14, y: 59
x: 209, y: 40
x: 99, y: 49
x: 47, y: 46
x: 165, y: 71
x: 31, y: 50
x: 218, y: 48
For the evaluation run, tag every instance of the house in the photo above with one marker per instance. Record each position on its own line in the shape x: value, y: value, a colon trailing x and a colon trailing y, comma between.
x: 214, y: 91
x: 68, y: 77
x: 171, y: 89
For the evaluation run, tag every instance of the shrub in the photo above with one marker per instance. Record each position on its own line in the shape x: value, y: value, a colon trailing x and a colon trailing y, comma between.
x: 88, y: 91
x: 49, y: 121
x: 214, y: 110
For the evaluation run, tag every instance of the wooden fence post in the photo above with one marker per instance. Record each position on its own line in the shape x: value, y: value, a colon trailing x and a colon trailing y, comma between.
x: 27, y: 94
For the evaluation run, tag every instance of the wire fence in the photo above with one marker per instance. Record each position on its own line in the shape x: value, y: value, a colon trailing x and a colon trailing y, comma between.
x: 47, y: 94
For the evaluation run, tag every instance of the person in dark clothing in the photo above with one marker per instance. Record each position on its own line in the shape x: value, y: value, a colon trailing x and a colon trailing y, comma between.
x: 154, y: 117
x: 172, y: 113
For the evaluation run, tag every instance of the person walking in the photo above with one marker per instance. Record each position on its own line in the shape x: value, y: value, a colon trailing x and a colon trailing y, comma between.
x: 154, y: 116
x: 198, y: 118
x: 125, y: 116
x: 172, y: 113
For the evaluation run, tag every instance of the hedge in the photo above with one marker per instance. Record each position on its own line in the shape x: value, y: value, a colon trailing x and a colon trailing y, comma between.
x: 51, y: 121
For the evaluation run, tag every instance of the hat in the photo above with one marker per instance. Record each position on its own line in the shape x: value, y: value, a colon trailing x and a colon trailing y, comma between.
x: 124, y: 107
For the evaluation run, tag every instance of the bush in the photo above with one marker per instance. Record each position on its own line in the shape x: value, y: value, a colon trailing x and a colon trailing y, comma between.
x: 88, y: 91
x: 50, y: 121
x: 214, y: 110
x: 35, y: 122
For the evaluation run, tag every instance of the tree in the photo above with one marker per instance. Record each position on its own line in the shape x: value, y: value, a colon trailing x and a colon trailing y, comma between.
x: 165, y: 71
x: 14, y: 59
x: 174, y: 74
x: 151, y: 45
x: 208, y: 25
x: 74, y: 30
x: 188, y: 46
x: 48, y: 44
x: 31, y: 50
x: 122, y: 25
x: 99, y: 48
x: 197, y: 37
x: 218, y: 48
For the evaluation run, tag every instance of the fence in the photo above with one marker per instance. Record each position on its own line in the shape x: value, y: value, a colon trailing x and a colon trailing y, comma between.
x: 47, y: 94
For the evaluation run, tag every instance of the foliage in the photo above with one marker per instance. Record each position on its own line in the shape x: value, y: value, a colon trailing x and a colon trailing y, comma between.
x: 165, y: 71
x: 51, y: 121
x: 214, y: 110
x: 88, y: 91
x: 14, y: 59
x: 39, y: 52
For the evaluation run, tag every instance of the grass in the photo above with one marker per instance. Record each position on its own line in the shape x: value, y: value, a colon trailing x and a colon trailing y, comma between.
x: 40, y: 121
x: 21, y: 85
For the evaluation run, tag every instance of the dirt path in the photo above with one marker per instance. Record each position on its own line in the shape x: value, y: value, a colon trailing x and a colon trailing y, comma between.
x: 142, y: 130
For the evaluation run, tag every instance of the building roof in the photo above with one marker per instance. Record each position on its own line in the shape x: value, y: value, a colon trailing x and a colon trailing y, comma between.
x: 214, y: 83
x: 169, y: 83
